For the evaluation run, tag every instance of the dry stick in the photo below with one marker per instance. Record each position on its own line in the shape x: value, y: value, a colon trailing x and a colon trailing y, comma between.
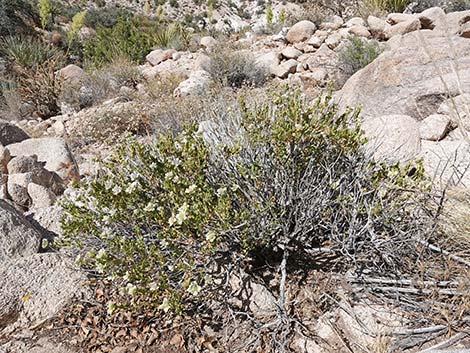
x: 445, y: 344
x: 444, y: 252
x: 429, y: 329
x: 403, y: 282
x: 420, y: 291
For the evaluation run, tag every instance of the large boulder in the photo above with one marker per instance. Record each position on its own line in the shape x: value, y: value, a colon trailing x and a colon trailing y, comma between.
x: 35, y: 288
x: 51, y: 150
x: 196, y: 84
x: 301, y: 31
x: 392, y: 138
x: 413, y: 78
x: 10, y: 133
x: 17, y: 236
x: 158, y: 55
x: 72, y: 74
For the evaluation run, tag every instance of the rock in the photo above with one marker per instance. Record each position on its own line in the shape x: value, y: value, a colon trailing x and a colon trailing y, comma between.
x: 401, y: 82
x: 17, y: 185
x: 11, y: 134
x: 333, y: 41
x: 328, y: 60
x: 157, y: 56
x: 447, y: 162
x: 402, y: 28
x: 72, y: 75
x: 285, y: 68
x: 355, y: 21
x: 37, y: 287
x: 395, y: 18
x: 202, y: 62
x: 301, y: 31
x: 315, y: 41
x: 59, y: 127
x: 4, y: 159
x: 267, y: 61
x: 451, y: 24
x: 360, y: 31
x: 41, y: 196
x: 458, y: 109
x: 51, y: 150
x: 291, y: 53
x: 18, y: 237
x: 46, y: 220
x: 465, y: 30
x: 392, y: 138
x: 208, y: 42
x: 429, y: 17
x: 196, y: 84
x: 434, y: 127
x: 377, y: 26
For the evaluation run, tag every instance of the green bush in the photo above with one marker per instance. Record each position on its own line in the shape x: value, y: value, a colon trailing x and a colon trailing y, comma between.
x: 132, y: 38
x: 160, y: 220
x: 106, y: 17
x: 28, y: 52
x: 380, y: 7
x: 358, y: 53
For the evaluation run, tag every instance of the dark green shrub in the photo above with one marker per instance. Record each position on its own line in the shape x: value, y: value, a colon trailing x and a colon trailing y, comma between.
x: 161, y: 220
x: 358, y: 53
x: 106, y: 17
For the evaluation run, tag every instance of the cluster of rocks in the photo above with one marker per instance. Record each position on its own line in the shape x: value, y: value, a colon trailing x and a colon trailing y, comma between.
x: 415, y: 96
x: 34, y: 171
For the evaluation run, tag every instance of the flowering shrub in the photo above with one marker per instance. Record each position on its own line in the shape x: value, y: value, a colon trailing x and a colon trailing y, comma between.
x: 285, y: 176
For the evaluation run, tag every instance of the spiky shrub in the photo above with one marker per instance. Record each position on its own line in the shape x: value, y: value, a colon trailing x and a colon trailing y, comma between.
x: 380, y: 7
x: 161, y: 219
x: 26, y: 53
x: 358, y: 53
x: 235, y: 69
x: 45, y: 13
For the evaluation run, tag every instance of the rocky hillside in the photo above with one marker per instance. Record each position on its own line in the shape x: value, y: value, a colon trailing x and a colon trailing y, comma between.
x: 235, y: 177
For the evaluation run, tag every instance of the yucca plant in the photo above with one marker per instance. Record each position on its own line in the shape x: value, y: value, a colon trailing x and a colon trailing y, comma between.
x: 26, y: 53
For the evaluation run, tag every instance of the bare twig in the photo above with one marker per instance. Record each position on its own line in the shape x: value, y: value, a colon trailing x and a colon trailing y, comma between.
x: 447, y: 343
x: 444, y: 252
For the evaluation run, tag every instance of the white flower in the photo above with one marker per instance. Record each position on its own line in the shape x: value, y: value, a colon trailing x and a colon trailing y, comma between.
x: 211, y: 236
x: 176, y: 179
x: 168, y: 175
x: 116, y: 190
x: 132, y: 187
x: 108, y: 184
x: 165, y: 305
x: 150, y: 207
x: 194, y: 288
x: 111, y: 307
x: 153, y: 286
x: 182, y: 214
x: 131, y: 288
x: 221, y: 192
x: 172, y: 220
x: 190, y: 189
x: 101, y: 254
x: 134, y: 175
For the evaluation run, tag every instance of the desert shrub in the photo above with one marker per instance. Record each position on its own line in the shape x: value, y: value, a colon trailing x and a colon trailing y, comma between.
x: 16, y: 16
x: 358, y: 53
x: 41, y: 89
x: 380, y: 7
x: 447, y: 5
x: 105, y: 17
x: 133, y: 38
x: 161, y: 218
x: 26, y: 53
x: 235, y: 68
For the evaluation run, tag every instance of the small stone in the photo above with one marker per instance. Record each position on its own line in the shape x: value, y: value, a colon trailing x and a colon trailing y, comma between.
x: 291, y: 53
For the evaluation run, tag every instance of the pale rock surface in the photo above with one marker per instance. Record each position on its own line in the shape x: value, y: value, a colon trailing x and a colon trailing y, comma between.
x: 434, y: 127
x: 18, y: 237
x: 51, y: 150
x: 157, y: 56
x: 285, y: 68
x: 36, y: 287
x: 403, y: 28
x: 72, y: 74
x: 378, y: 26
x: 291, y: 53
x: 403, y: 80
x: 447, y: 162
x: 458, y: 109
x: 429, y: 17
x: 392, y: 138
x: 196, y: 84
x: 301, y: 31
x: 41, y: 196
